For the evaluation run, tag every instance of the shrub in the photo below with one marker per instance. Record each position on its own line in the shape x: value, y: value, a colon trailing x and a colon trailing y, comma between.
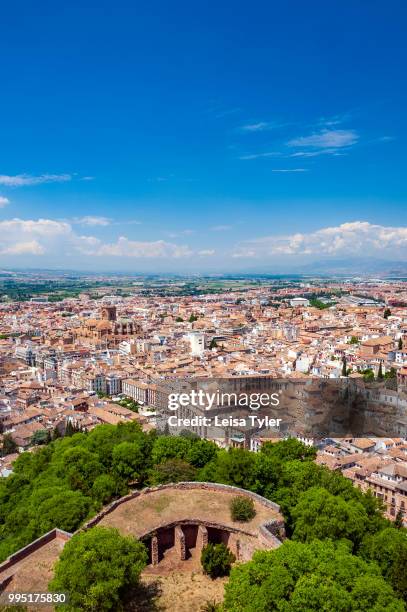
x: 216, y: 560
x: 242, y: 509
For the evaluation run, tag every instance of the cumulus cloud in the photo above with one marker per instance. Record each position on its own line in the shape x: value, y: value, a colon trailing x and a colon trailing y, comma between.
x: 34, y: 237
x: 358, y: 237
x: 124, y: 247
x: 22, y: 180
x: 32, y: 247
x: 4, y: 201
x: 41, y: 227
x: 326, y: 139
x: 57, y: 238
x: 206, y: 252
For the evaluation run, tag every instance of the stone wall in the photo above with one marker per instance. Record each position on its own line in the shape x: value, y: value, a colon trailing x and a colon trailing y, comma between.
x: 180, y: 543
x: 208, y: 486
x: 21, y: 554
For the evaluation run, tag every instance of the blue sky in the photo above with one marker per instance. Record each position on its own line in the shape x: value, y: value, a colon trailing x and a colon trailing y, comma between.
x: 202, y: 136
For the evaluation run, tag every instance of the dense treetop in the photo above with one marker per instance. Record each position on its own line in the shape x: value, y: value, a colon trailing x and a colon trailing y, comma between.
x: 320, y: 577
x: 98, y: 569
x: 67, y: 481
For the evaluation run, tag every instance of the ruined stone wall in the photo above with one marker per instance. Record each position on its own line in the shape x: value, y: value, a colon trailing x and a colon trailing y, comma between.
x: 205, y: 486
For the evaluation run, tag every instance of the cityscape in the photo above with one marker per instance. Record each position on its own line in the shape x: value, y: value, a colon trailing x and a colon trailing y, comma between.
x: 113, y: 353
x: 203, y: 306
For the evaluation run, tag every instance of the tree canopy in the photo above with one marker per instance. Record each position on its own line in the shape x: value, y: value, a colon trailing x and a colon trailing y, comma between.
x: 319, y: 576
x: 98, y: 569
x: 62, y: 484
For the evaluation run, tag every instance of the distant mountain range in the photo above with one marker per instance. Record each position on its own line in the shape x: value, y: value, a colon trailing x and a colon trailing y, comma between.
x: 356, y: 266
x: 367, y: 265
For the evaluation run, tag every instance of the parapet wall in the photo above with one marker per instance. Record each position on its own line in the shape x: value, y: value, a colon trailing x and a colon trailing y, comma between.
x: 22, y: 553
x: 208, y: 486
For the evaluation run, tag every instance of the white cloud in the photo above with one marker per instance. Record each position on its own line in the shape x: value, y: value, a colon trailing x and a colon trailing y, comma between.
x: 255, y: 127
x: 354, y: 238
x: 257, y: 155
x: 57, y: 238
x: 290, y: 170
x: 42, y: 227
x: 32, y: 247
x: 336, y: 152
x: 4, y: 201
x: 124, y: 247
x: 92, y: 220
x: 206, y: 252
x: 326, y: 139
x: 22, y: 180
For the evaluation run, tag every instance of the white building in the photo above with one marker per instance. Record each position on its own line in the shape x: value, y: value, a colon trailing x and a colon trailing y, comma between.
x: 299, y: 301
x: 197, y: 340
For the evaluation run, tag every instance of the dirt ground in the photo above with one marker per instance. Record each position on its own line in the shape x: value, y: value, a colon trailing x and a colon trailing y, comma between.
x: 145, y: 513
x: 179, y: 591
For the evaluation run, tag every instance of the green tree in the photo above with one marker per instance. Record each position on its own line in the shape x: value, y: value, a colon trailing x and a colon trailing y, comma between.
x: 242, y: 509
x: 201, y: 452
x: 128, y: 461
x: 316, y: 577
x: 173, y: 470
x: 320, y: 515
x: 388, y: 548
x: 56, y: 433
x: 170, y: 447
x: 216, y: 560
x: 99, y: 569
x: 234, y: 467
x: 105, y: 487
x: 9, y: 445
x: 65, y: 510
x: 387, y: 313
x: 380, y: 372
x: 289, y: 449
x: 368, y: 375
x: 102, y: 394
x: 102, y: 441
x: 70, y: 429
x: 213, y: 344
x: 80, y: 467
x: 400, y: 344
x: 42, y: 436
x: 344, y: 368
x: 398, y: 521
